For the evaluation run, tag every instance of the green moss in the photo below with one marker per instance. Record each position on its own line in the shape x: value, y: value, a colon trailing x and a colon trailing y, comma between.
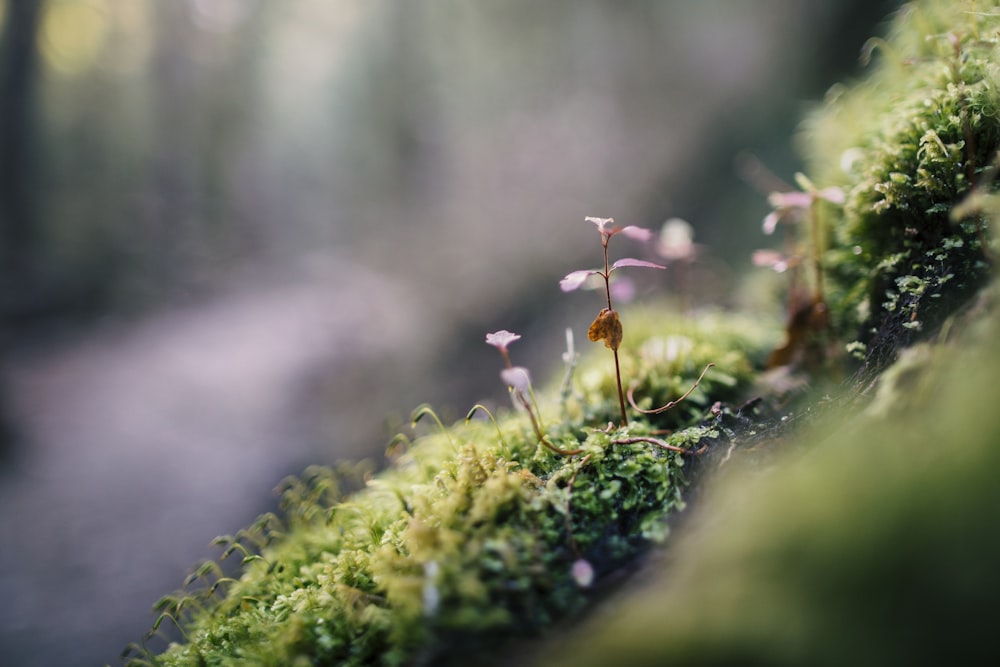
x: 873, y: 541
x: 470, y: 536
x: 907, y: 144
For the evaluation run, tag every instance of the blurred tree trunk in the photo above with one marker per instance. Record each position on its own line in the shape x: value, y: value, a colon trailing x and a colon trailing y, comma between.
x: 203, y: 88
x: 18, y: 66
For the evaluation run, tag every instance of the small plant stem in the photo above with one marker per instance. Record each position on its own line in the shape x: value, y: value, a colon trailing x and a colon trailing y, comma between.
x: 480, y: 406
x: 618, y: 370
x: 672, y: 403
x: 621, y: 396
x: 540, y: 433
x: 817, y: 248
x: 658, y: 443
x: 607, y: 272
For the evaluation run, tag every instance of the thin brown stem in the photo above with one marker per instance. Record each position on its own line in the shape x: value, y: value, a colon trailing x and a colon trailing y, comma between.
x: 607, y: 271
x: 538, y: 429
x: 658, y: 443
x: 672, y: 403
x: 621, y: 395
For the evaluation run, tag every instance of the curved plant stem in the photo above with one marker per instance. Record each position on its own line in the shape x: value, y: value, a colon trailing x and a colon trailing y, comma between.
x: 480, y: 407
x: 425, y: 409
x: 659, y: 443
x: 672, y: 403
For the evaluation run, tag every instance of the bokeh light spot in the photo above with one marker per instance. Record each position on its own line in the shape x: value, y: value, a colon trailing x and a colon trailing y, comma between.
x: 72, y: 34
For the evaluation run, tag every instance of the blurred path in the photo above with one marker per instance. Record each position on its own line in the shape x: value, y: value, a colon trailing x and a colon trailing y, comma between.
x: 141, y: 441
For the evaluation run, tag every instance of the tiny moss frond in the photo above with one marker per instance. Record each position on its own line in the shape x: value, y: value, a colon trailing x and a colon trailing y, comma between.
x: 479, y: 407
x: 425, y: 410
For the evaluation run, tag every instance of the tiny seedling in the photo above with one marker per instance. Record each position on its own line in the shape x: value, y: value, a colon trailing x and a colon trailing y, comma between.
x: 518, y: 382
x: 607, y: 326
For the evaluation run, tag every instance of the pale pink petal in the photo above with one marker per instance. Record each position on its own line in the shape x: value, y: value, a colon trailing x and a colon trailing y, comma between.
x: 637, y: 233
x: 832, y: 195
x: 501, y: 339
x: 602, y: 223
x: 771, y: 259
x: 574, y: 280
x: 629, y: 261
x: 794, y: 199
x: 771, y: 222
x: 517, y: 378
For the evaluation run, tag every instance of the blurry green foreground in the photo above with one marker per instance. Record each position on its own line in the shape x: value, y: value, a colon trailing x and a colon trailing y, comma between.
x: 873, y: 540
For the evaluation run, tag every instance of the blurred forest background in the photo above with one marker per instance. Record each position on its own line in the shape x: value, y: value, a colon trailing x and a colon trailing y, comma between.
x: 241, y: 236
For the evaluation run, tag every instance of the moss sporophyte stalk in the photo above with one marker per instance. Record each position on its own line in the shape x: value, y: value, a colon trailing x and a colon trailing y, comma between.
x: 501, y: 525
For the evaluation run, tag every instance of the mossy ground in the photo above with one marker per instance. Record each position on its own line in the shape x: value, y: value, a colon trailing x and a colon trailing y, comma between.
x: 871, y: 542
x: 470, y: 536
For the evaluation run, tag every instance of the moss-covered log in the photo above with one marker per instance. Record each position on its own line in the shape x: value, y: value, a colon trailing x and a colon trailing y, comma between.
x: 866, y: 537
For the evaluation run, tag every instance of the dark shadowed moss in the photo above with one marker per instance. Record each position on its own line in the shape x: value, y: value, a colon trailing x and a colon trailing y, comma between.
x: 907, y: 144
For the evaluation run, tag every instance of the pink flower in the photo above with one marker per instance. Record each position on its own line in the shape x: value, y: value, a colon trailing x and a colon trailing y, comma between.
x: 789, y: 204
x: 501, y: 339
x: 601, y: 223
x: 771, y: 259
x: 517, y: 378
x: 631, y: 231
